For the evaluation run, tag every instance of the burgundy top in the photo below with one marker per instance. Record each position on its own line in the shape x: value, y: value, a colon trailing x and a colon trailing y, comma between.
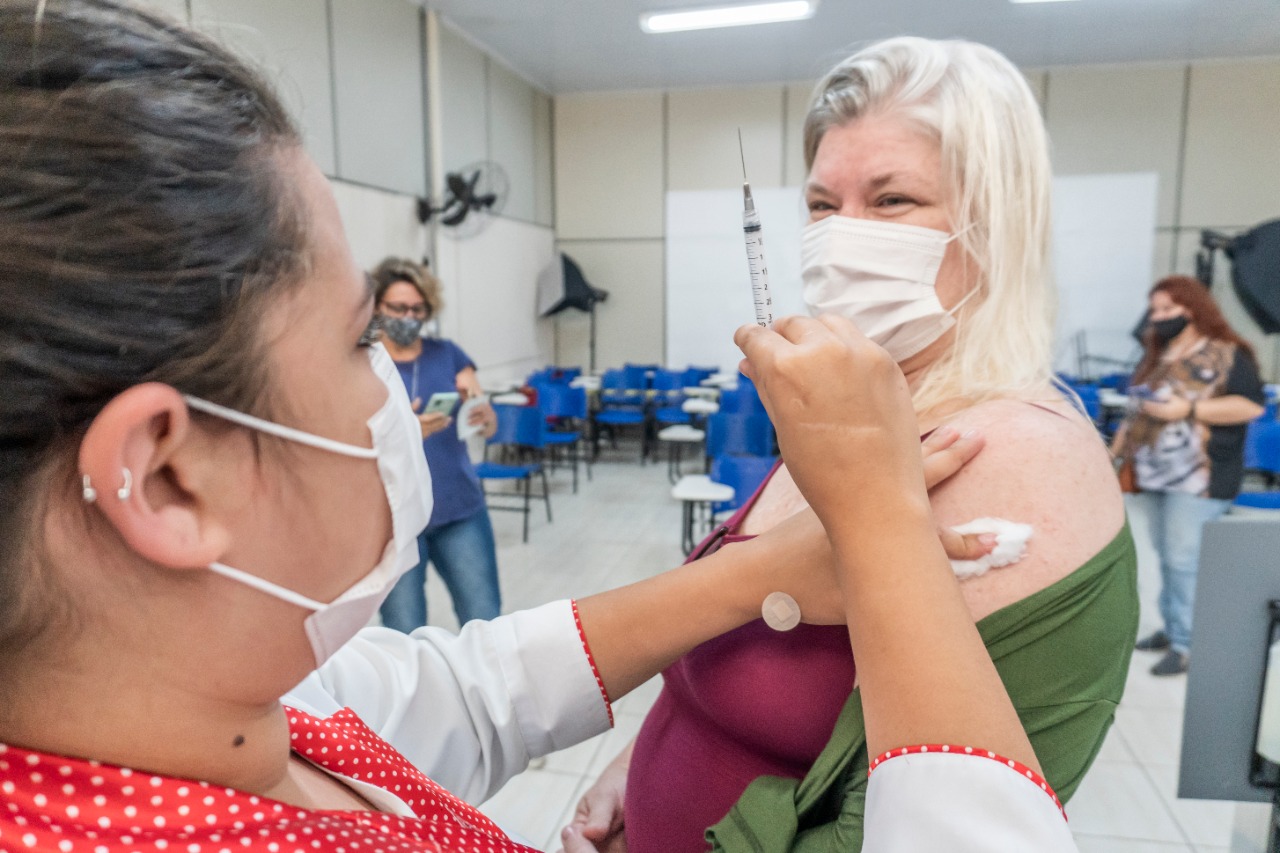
x: 707, y: 737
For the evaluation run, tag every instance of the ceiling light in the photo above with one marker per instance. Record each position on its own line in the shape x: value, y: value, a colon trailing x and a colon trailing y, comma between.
x: 1039, y: 1
x: 727, y: 16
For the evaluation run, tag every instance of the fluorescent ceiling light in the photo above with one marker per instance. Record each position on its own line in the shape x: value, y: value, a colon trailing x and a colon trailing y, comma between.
x: 1039, y: 1
x: 727, y: 16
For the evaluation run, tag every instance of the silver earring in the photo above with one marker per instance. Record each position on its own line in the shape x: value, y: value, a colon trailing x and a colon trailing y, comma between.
x: 89, y: 493
x: 127, y: 489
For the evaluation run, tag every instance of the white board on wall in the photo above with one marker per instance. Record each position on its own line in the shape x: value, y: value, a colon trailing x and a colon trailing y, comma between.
x: 379, y: 224
x: 1104, y: 232
x: 490, y: 282
x: 708, y: 286
x: 1104, y: 238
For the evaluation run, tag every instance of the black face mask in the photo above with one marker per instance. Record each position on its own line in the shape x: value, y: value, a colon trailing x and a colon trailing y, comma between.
x: 1167, y: 330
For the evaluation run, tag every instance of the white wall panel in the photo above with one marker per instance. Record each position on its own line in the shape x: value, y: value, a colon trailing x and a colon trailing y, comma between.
x: 464, y: 102
x: 490, y: 309
x: 629, y: 324
x: 798, y: 96
x: 702, y: 138
x: 289, y: 39
x: 378, y: 84
x: 543, y: 156
x: 379, y: 224
x: 609, y: 172
x: 1119, y: 120
x: 511, y: 138
x: 1163, y: 262
x: 1039, y: 83
x: 1232, y: 173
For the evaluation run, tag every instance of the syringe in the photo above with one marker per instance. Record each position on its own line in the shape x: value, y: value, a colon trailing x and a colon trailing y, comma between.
x: 755, y: 249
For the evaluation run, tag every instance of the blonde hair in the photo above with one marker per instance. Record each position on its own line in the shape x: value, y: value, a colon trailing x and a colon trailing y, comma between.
x: 997, y: 180
x: 394, y: 270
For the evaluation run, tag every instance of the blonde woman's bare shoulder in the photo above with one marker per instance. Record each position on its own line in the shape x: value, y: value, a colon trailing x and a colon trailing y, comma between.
x: 1045, y: 465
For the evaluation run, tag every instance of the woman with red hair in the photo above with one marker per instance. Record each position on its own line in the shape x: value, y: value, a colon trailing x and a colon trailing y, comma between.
x: 1196, y: 388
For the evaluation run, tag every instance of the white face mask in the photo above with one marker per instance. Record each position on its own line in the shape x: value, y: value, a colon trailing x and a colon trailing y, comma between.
x: 397, y: 447
x: 880, y: 276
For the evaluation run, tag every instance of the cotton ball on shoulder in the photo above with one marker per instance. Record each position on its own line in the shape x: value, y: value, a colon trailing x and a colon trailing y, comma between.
x: 1011, y: 545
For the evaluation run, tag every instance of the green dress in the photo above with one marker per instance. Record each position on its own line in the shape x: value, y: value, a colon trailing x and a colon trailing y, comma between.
x: 1063, y: 654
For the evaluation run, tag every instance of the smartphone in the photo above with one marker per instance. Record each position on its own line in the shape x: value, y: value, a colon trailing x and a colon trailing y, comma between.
x: 441, y: 403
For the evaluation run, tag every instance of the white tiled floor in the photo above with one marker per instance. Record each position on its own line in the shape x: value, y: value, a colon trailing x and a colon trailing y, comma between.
x: 623, y: 526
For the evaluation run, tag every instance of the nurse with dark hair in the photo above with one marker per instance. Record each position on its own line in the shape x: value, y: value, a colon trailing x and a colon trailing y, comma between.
x: 211, y: 476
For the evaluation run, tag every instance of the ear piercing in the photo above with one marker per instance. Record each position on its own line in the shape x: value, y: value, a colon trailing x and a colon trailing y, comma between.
x: 90, y: 494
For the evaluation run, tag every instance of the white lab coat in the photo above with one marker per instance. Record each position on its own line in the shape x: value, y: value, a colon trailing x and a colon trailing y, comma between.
x: 468, y: 710
x: 961, y: 804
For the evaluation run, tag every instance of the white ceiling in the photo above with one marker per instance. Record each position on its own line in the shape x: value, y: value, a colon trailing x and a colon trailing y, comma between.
x: 589, y: 45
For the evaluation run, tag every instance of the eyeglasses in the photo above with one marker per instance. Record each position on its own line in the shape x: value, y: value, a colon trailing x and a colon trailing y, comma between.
x: 400, y: 309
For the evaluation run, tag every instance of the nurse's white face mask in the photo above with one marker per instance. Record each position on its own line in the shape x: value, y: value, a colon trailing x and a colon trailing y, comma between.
x: 397, y: 448
x: 881, y: 276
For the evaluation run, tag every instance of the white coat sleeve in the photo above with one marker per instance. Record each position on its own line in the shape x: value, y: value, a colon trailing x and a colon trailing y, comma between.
x: 961, y: 801
x: 469, y: 710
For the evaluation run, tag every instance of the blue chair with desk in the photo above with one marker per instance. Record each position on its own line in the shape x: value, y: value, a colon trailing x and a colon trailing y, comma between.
x: 622, y: 407
x: 743, y: 474
x: 565, y: 410
x: 519, y: 442
x: 731, y: 433
x: 1262, y: 461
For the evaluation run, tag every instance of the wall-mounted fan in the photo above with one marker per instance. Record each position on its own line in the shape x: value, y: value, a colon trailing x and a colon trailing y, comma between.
x: 474, y: 195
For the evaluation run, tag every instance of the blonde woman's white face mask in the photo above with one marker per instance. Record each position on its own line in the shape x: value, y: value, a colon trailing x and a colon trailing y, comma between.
x: 881, y: 276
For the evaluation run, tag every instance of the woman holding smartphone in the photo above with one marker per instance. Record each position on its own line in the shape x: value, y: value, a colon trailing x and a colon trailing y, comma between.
x: 458, y: 540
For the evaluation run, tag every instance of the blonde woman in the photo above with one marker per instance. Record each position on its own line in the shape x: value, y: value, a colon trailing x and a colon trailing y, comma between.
x: 929, y: 194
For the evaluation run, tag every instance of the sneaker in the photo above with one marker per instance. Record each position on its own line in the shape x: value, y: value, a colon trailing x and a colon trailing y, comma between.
x: 1157, y: 642
x: 1173, y: 663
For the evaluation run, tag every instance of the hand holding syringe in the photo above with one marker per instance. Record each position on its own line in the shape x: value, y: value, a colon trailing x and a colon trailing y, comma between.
x: 755, y: 249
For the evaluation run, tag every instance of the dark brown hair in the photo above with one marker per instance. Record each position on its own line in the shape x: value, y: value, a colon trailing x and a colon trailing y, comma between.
x: 393, y: 270
x: 145, y: 222
x: 1202, y: 312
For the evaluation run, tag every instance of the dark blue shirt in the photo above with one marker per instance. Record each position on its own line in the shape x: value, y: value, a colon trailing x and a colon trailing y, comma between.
x: 454, y: 485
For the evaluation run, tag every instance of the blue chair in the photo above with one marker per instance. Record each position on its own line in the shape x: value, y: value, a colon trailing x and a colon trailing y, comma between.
x: 693, y: 376
x: 665, y: 385
x: 1262, y: 449
x: 1115, y: 381
x: 539, y: 377
x: 622, y: 405
x: 741, y: 435
x: 743, y: 400
x: 1259, y: 500
x: 520, y: 434
x: 568, y: 408
x: 613, y: 420
x: 1088, y: 394
x: 668, y: 395
x: 615, y: 390
x: 638, y: 375
x: 743, y: 474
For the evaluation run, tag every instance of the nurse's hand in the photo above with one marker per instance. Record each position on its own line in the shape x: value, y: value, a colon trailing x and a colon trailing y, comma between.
x: 597, y: 822
x: 843, y: 413
x: 575, y: 842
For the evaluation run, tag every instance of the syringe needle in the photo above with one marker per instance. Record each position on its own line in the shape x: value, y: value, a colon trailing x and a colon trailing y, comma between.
x: 743, y: 155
